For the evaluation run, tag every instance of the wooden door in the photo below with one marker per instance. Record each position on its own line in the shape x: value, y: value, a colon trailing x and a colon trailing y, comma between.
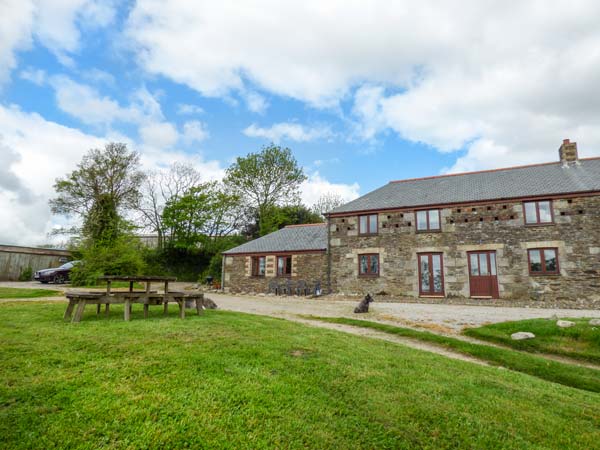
x: 483, y: 278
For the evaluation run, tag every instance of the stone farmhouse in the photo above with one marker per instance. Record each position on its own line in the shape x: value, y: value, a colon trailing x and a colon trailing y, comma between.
x: 520, y: 234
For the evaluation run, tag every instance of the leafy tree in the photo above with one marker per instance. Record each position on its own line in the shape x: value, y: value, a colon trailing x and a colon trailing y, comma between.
x: 100, y: 191
x: 266, y: 179
x: 160, y: 188
x: 277, y: 217
x: 203, y: 214
x: 104, y: 175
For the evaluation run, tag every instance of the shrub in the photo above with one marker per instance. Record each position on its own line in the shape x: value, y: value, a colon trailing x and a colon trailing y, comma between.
x: 26, y: 274
x: 123, y: 257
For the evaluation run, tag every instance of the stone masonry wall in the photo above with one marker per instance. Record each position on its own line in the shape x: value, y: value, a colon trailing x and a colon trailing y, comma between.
x: 500, y: 227
x: 238, y: 278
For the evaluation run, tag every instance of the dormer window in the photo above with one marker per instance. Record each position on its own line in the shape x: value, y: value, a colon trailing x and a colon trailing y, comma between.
x: 367, y: 224
x: 428, y: 220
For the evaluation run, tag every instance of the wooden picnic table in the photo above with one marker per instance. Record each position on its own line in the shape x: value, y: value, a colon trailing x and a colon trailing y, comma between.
x: 146, y: 297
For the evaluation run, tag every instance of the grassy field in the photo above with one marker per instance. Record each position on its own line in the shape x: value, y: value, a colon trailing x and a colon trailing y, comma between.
x: 228, y: 380
x: 567, y: 374
x: 6, y: 292
x: 581, y: 341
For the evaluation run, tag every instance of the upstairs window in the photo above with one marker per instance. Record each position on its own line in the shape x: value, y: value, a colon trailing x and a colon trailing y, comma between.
x: 428, y: 220
x: 543, y: 261
x: 538, y: 213
x: 367, y: 224
x: 259, y: 265
x: 284, y: 266
x: 368, y: 265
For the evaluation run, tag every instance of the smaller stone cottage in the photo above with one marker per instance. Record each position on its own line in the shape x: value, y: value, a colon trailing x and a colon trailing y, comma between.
x: 291, y: 258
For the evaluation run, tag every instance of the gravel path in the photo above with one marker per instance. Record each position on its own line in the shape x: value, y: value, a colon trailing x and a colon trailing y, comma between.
x: 445, y: 319
x: 449, y: 319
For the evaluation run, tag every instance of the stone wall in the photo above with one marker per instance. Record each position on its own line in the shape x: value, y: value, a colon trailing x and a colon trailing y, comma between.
x: 14, y: 259
x: 499, y: 227
x: 237, y: 275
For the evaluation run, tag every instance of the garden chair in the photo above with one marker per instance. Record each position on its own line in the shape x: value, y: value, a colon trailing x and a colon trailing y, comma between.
x: 273, y: 287
x: 317, y: 289
x: 302, y: 288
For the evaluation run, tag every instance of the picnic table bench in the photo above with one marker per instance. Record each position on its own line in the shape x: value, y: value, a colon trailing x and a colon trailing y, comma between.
x: 147, y: 297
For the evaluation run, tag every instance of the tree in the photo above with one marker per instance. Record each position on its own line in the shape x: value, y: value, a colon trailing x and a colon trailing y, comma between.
x: 203, y: 214
x: 160, y: 188
x: 326, y: 203
x: 266, y: 179
x: 277, y: 217
x: 100, y: 192
x: 104, y: 185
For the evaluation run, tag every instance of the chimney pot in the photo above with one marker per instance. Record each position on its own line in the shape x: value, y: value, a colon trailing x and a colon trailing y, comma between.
x: 568, y: 152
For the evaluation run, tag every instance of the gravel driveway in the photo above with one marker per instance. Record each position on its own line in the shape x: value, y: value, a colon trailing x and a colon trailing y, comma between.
x: 441, y: 318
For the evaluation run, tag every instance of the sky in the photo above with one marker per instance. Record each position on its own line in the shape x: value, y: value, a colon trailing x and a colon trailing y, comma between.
x: 362, y: 92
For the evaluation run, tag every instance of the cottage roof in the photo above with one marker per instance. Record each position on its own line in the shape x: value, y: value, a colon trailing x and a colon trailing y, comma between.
x: 293, y: 238
x: 511, y: 183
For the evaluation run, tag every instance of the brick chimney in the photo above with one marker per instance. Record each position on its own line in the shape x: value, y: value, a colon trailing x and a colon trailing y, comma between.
x: 568, y: 152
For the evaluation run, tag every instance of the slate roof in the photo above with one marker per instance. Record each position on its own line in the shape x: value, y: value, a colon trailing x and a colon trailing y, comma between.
x: 516, y: 182
x: 289, y: 239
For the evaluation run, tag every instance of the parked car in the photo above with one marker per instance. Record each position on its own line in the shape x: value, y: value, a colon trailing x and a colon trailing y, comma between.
x: 58, y: 275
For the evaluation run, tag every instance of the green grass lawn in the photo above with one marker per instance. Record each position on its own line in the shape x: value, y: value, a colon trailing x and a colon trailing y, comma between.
x: 229, y: 380
x: 567, y: 374
x: 581, y: 341
x: 6, y: 292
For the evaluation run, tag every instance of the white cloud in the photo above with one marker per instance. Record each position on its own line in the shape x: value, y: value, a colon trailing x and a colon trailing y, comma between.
x: 97, y: 76
x: 42, y: 151
x: 194, y: 131
x: 321, y: 162
x: 161, y: 135
x: 288, y: 131
x: 34, y: 152
x: 184, y: 108
x: 54, y: 24
x: 316, y: 186
x: 87, y: 105
x: 255, y: 102
x: 452, y: 75
x: 36, y: 76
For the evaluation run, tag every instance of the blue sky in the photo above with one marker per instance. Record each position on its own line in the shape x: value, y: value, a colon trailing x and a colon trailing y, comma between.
x: 362, y: 94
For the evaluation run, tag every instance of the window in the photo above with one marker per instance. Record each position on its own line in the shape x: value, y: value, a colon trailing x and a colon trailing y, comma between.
x: 367, y: 224
x: 368, y: 265
x: 543, y: 261
x: 284, y: 266
x: 259, y: 266
x: 428, y: 220
x: 431, y: 274
x: 482, y: 264
x: 538, y: 212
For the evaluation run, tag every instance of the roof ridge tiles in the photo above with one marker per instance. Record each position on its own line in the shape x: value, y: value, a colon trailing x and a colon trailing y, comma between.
x: 525, y: 166
x: 306, y: 225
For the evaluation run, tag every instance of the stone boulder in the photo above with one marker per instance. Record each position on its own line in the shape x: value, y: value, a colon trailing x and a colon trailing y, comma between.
x: 595, y: 322
x: 522, y: 335
x: 565, y: 323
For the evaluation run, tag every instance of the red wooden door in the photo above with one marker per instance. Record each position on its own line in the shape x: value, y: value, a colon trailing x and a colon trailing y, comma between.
x: 483, y: 279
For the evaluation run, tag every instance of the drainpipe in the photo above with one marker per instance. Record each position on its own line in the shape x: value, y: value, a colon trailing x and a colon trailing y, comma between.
x: 328, y: 254
x: 223, y: 273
